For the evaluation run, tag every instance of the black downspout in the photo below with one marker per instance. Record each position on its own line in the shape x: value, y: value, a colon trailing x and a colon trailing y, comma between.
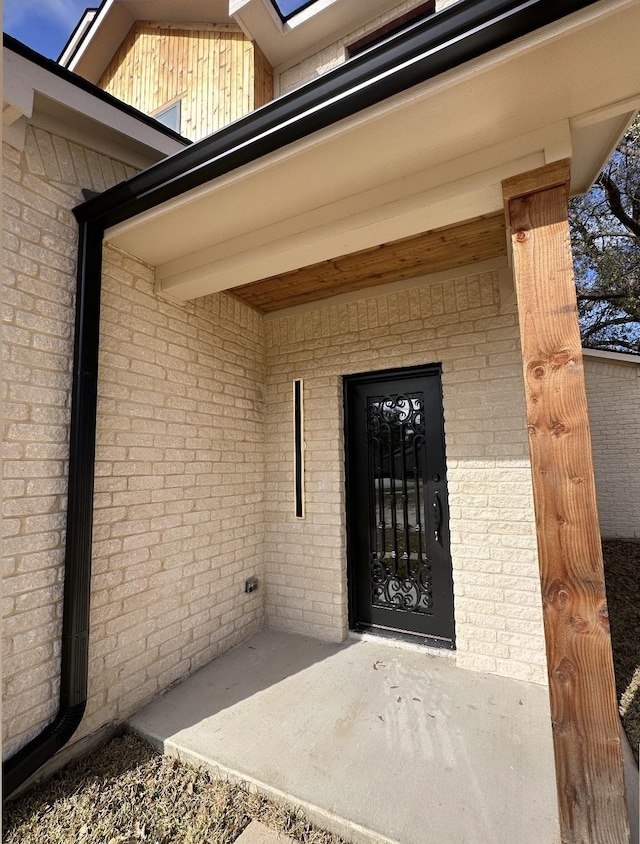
x: 75, y: 619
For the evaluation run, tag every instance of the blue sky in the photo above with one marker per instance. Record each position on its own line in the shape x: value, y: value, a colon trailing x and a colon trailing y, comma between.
x: 44, y: 25
x: 288, y: 6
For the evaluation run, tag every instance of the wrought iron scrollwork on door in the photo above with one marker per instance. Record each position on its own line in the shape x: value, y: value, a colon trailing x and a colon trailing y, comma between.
x: 400, y: 568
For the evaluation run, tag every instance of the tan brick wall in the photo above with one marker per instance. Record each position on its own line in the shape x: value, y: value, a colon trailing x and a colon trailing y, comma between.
x: 179, y: 475
x: 458, y: 322
x: 613, y: 393
x: 40, y: 186
x: 179, y: 518
x: 335, y: 54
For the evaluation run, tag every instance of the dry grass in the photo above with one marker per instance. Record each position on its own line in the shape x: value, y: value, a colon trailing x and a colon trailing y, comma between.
x: 622, y: 575
x: 127, y: 793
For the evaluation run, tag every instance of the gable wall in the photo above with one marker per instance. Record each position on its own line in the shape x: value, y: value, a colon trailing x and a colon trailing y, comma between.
x: 216, y: 72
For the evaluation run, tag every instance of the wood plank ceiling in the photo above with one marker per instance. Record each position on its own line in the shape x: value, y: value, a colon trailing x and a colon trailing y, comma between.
x: 439, y: 249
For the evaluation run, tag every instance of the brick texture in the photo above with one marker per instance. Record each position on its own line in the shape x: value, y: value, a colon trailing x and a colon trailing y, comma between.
x: 40, y: 186
x: 179, y: 517
x: 613, y: 393
x: 179, y: 465
x: 459, y: 323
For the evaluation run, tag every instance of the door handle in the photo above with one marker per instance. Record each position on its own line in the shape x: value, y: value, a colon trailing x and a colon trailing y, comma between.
x: 437, y: 512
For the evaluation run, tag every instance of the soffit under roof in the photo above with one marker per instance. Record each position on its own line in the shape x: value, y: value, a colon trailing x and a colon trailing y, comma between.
x: 431, y: 157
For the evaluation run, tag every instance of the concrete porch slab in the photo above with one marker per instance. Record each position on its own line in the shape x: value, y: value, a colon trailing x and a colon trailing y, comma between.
x: 377, y: 742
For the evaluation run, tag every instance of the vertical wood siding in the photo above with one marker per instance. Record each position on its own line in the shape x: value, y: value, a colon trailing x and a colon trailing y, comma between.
x: 263, y: 75
x: 216, y: 72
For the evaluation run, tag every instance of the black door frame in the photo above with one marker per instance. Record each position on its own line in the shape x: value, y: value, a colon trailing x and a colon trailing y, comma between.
x: 428, y: 370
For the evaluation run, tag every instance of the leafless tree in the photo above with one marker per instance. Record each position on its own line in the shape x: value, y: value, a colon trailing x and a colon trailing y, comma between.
x: 605, y: 236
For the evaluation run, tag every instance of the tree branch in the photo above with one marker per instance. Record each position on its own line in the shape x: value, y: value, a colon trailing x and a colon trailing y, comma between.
x: 612, y: 344
x: 599, y: 297
x: 615, y: 203
x: 600, y: 326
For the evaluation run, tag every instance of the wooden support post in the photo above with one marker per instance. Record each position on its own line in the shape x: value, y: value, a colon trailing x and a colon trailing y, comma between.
x: 584, y: 712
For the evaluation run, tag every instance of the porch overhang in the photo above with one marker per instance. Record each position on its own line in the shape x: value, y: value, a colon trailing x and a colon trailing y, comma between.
x: 430, y: 157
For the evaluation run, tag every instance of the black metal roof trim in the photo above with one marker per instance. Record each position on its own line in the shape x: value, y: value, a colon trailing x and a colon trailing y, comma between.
x: 74, y: 660
x: 381, y: 33
x: 284, y: 17
x: 21, y: 49
x: 426, y: 49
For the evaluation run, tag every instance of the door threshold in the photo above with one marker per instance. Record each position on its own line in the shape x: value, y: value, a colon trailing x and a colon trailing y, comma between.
x: 402, y: 642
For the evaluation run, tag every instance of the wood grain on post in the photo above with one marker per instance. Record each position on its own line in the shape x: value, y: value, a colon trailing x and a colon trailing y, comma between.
x: 584, y: 712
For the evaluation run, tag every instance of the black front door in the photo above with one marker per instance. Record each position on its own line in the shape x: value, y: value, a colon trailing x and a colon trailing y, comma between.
x: 398, y: 521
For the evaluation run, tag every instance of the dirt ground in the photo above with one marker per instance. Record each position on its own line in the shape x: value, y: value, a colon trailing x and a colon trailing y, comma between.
x: 622, y: 576
x: 127, y: 793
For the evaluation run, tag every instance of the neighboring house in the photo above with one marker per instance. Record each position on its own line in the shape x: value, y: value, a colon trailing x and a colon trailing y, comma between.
x: 342, y: 252
x: 613, y: 392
